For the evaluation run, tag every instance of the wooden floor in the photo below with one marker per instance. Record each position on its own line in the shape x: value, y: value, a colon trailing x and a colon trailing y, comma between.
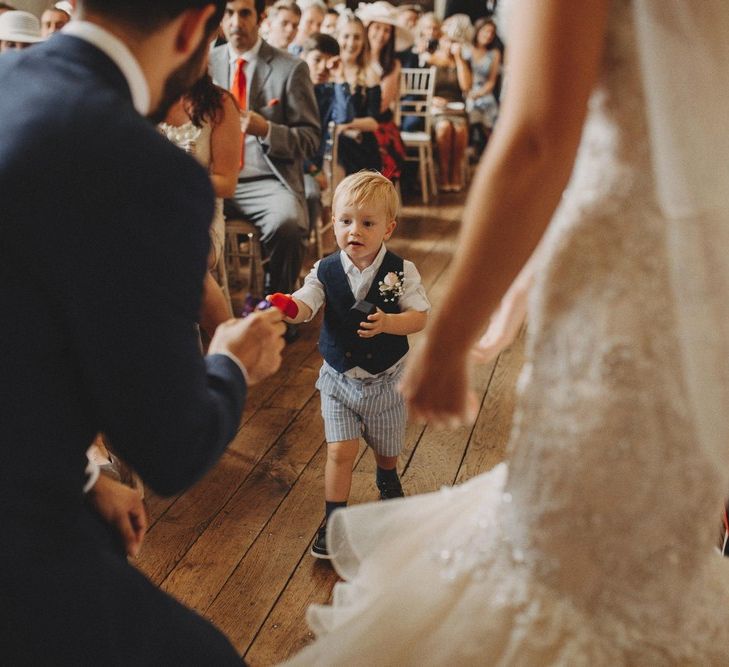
x: 235, y: 547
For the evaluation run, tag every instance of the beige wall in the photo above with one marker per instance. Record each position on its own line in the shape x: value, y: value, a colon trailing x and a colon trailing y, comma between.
x: 36, y: 7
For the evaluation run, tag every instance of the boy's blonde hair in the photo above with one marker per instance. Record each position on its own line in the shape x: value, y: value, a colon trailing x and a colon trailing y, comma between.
x: 364, y: 187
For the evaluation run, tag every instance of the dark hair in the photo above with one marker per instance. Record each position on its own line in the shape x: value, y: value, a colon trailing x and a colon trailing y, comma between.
x: 148, y: 16
x: 331, y: 10
x: 387, y: 55
x: 496, y: 42
x: 5, y: 5
x: 321, y: 42
x: 205, y: 100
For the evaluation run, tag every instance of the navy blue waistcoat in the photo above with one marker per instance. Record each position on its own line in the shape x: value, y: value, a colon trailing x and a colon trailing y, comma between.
x: 339, y: 343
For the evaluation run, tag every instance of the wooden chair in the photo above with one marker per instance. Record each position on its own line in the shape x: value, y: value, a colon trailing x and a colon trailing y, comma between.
x: 416, y: 99
x: 243, y: 242
x: 335, y: 174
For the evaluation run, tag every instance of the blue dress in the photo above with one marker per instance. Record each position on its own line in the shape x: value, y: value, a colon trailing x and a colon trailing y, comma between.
x: 483, y: 109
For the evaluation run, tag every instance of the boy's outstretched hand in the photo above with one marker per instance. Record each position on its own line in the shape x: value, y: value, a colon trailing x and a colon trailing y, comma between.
x: 123, y: 508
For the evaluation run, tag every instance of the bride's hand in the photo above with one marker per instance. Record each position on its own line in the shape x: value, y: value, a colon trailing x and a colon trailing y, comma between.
x: 436, y: 390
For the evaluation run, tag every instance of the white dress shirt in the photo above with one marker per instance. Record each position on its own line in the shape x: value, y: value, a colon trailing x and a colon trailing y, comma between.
x: 413, y: 297
x: 120, y: 54
x: 255, y: 163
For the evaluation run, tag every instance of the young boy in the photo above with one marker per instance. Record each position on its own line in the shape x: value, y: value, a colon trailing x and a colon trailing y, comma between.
x: 334, y: 99
x: 363, y: 353
x: 283, y: 22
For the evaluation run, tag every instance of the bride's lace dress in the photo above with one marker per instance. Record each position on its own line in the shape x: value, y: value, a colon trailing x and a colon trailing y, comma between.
x: 595, y: 546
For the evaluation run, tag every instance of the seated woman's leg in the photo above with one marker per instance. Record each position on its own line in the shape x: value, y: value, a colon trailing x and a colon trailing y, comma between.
x: 444, y: 141
x: 460, y: 141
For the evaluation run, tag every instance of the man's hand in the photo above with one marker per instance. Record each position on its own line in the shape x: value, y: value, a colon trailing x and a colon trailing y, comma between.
x: 374, y: 325
x: 257, y: 124
x: 256, y: 341
x: 321, y: 179
x: 122, y: 507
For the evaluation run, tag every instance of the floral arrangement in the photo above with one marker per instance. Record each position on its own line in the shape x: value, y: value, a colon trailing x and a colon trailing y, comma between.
x: 391, y: 287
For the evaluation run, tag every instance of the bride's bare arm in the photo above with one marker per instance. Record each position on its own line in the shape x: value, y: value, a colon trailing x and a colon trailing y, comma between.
x: 555, y: 49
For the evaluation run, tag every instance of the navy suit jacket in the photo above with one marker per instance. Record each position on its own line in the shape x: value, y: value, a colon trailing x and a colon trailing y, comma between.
x: 103, y: 248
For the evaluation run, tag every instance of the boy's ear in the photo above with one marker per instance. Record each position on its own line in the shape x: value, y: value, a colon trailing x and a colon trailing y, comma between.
x: 390, y: 229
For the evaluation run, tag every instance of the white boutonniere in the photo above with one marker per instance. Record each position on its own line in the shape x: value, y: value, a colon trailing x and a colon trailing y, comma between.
x: 391, y: 287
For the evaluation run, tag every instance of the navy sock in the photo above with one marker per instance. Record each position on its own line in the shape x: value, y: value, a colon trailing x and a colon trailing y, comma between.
x: 333, y: 505
x: 387, y: 476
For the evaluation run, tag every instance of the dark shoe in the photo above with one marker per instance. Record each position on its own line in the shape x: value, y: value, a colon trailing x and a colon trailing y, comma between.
x: 319, y: 546
x: 389, y: 490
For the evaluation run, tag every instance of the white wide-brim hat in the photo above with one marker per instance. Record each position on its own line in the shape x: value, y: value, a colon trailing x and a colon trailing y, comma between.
x: 17, y: 26
x: 384, y: 12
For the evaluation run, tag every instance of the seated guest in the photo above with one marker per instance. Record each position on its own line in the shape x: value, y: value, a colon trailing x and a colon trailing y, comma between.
x: 281, y: 123
x: 427, y: 37
x: 321, y: 54
x: 205, y: 123
x: 453, y: 80
x: 358, y: 148
x: 407, y: 18
x: 53, y: 20
x: 485, y: 63
x: 283, y: 22
x: 312, y: 16
x: 385, y: 38
x: 18, y: 30
x: 329, y: 24
x: 408, y: 15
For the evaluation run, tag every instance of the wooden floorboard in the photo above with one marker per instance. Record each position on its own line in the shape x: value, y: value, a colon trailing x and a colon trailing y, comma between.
x: 235, y: 546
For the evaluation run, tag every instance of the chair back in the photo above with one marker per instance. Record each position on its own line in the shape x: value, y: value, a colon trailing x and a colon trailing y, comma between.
x: 417, y: 85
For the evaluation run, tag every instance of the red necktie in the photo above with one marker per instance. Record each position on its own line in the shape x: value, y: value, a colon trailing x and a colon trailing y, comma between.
x: 240, y: 92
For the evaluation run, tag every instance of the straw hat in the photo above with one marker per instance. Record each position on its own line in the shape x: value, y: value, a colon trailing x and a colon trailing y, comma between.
x: 384, y: 12
x: 17, y: 26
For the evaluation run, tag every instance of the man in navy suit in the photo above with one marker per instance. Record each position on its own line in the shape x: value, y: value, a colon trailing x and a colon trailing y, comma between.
x: 104, y: 240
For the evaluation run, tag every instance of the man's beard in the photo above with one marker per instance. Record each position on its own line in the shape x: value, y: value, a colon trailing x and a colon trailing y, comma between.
x: 179, y: 82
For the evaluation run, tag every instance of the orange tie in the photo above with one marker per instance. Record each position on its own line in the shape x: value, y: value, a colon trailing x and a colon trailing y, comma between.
x: 240, y: 92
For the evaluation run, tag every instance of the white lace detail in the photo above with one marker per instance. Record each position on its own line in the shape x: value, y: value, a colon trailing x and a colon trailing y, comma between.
x: 596, y: 545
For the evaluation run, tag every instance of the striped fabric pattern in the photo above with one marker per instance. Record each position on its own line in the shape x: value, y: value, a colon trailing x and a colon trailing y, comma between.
x: 371, y: 408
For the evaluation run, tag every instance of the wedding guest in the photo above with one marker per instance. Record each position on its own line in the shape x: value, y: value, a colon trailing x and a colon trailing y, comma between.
x: 18, y: 30
x: 485, y: 63
x: 282, y: 130
x: 334, y: 99
x: 205, y: 122
x: 427, y: 34
x: 329, y: 24
x: 358, y: 147
x: 453, y: 79
x: 363, y: 353
x: 283, y: 21
x: 53, y: 20
x: 408, y: 15
x: 312, y: 16
x: 385, y: 38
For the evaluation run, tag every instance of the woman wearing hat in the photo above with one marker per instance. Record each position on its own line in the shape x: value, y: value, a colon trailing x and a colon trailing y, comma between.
x: 18, y: 30
x: 386, y: 38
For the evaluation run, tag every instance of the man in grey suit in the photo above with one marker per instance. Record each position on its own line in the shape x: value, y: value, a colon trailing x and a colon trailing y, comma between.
x: 282, y: 130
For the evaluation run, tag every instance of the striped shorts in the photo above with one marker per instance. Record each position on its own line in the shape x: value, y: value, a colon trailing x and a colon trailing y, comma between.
x: 372, y: 408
